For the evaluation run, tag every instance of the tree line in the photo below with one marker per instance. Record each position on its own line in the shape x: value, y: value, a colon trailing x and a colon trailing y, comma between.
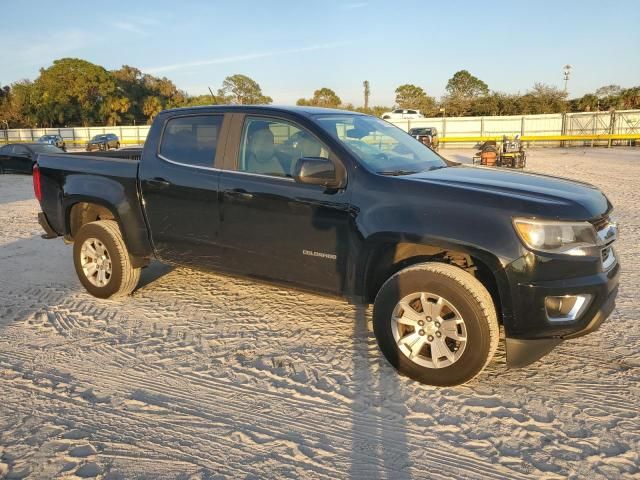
x: 75, y: 92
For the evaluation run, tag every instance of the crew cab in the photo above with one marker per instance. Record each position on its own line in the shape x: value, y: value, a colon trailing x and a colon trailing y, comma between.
x: 346, y: 204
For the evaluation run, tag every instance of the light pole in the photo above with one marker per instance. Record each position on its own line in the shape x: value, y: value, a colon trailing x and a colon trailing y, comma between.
x: 567, y: 74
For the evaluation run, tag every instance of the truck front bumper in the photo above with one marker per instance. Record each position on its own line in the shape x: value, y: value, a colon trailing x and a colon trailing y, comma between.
x: 531, y: 333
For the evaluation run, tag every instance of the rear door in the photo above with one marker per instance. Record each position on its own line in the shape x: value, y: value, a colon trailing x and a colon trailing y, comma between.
x: 272, y: 226
x: 5, y: 153
x: 21, y: 160
x: 179, y: 184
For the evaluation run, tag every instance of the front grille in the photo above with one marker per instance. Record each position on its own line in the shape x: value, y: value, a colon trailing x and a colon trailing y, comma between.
x: 607, y: 235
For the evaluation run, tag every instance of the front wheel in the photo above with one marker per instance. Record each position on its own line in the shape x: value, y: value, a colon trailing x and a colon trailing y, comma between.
x: 102, y: 262
x: 436, y: 323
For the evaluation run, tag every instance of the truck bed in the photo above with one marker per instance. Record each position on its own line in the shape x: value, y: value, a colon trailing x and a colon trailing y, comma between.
x: 69, y: 178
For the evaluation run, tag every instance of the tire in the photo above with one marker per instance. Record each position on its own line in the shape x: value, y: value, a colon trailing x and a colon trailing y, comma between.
x: 468, y: 299
x: 123, y: 277
x: 117, y: 145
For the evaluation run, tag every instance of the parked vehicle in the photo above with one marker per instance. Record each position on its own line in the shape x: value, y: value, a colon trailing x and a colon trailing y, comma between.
x: 103, y: 141
x: 20, y: 157
x: 427, y: 136
x: 354, y: 207
x: 402, y: 113
x: 56, y: 140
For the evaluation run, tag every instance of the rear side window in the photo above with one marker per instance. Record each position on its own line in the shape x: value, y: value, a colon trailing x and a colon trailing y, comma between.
x: 191, y: 140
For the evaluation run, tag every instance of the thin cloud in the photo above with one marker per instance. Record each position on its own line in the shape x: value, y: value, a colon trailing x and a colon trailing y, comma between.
x: 242, y: 58
x: 353, y: 5
x: 129, y: 27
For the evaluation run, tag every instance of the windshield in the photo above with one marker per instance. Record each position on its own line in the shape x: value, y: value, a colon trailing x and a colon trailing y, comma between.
x: 380, y: 146
x: 45, y: 148
x: 47, y: 137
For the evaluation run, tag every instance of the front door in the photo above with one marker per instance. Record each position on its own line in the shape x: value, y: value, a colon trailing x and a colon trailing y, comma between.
x: 180, y: 190
x: 272, y: 226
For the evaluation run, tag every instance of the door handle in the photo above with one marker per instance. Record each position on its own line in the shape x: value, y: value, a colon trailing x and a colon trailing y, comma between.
x: 159, y: 182
x: 241, y: 193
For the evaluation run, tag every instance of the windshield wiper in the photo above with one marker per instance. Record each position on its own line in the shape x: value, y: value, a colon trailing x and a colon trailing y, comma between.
x: 395, y: 173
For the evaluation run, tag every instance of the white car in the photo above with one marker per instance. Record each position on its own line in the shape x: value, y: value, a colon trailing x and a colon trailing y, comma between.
x: 400, y: 113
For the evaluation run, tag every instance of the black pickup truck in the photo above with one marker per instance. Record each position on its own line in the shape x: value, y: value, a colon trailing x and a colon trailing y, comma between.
x: 346, y: 204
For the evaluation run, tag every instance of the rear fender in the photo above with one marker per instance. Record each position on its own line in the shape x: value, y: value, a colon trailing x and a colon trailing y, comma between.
x: 122, y: 201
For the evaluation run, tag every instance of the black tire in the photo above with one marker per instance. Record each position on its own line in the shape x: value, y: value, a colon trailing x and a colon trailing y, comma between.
x: 117, y: 145
x: 124, y: 277
x: 466, y: 294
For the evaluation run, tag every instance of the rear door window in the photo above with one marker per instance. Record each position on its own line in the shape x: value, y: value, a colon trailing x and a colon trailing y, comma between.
x: 20, y: 150
x: 191, y: 140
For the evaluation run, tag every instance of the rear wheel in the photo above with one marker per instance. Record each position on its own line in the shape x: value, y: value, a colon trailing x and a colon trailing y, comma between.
x: 436, y: 323
x: 102, y: 262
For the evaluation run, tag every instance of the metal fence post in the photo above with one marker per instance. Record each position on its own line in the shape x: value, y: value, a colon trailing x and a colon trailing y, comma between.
x: 444, y: 130
x: 482, y: 126
x: 612, y: 126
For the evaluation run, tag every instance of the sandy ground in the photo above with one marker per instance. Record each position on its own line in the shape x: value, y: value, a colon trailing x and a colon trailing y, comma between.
x: 206, y: 376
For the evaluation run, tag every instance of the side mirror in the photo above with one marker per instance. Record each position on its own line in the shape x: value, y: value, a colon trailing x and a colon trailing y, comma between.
x: 317, y: 171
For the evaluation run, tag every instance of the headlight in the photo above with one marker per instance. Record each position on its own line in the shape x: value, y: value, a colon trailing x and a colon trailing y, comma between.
x: 570, y: 238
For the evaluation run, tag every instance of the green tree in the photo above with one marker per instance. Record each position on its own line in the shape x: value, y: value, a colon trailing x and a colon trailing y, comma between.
x: 137, y: 87
x: 242, y: 90
x: 412, y: 96
x: 630, y: 98
x: 588, y: 103
x: 543, y: 98
x: 114, y: 108
x: 608, y: 91
x: 73, y: 91
x: 465, y: 85
x: 198, y: 100
x: 323, y: 97
x: 151, y: 107
x: 367, y: 92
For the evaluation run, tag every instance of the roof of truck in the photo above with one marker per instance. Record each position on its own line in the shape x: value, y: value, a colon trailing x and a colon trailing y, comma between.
x: 303, y: 110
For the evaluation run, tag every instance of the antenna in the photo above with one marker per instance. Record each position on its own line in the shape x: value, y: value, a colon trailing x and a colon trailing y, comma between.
x: 567, y: 73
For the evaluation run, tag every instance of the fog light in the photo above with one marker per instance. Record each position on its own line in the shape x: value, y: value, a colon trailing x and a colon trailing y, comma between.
x: 567, y: 307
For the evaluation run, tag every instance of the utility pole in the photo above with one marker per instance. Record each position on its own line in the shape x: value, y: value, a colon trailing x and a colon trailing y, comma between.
x: 367, y: 92
x: 567, y: 74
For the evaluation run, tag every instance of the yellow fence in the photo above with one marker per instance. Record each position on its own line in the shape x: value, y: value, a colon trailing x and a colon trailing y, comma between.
x: 548, y: 138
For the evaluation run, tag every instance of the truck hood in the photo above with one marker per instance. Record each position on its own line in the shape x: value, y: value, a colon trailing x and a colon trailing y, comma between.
x: 528, y: 193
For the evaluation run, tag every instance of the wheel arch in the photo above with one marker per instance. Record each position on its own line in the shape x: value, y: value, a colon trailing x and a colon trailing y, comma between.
x: 82, y: 209
x: 385, y: 258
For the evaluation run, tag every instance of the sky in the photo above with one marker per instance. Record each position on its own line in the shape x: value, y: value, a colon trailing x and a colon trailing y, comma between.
x: 295, y: 47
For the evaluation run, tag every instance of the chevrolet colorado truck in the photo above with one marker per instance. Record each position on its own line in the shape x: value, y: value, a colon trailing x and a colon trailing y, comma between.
x: 349, y: 205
